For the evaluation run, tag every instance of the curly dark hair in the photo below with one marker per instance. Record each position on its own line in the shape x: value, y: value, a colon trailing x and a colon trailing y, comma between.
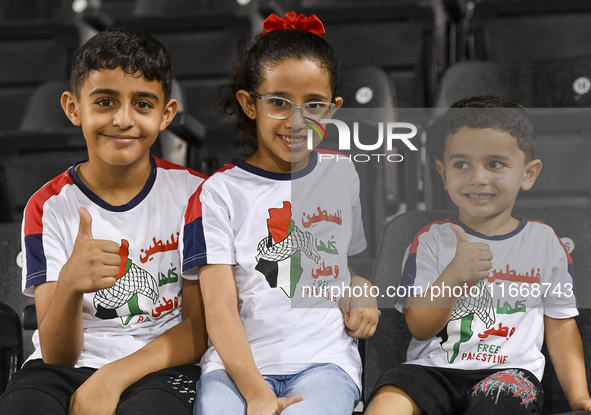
x: 265, y: 52
x: 492, y: 112
x: 132, y: 51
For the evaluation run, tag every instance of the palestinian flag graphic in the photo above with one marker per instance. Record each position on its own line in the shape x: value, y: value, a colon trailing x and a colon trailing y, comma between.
x: 459, y: 327
x: 279, y: 254
x: 131, y: 281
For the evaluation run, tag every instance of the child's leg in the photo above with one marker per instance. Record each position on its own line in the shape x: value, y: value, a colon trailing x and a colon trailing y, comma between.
x: 217, y: 394
x: 416, y: 389
x: 327, y: 390
x: 391, y: 400
x: 166, y: 392
x: 42, y: 389
x: 509, y: 391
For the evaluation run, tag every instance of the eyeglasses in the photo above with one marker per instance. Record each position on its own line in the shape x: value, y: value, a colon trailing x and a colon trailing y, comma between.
x: 282, y: 108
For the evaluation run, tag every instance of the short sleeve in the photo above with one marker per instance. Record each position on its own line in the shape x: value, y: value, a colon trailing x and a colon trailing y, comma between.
x: 358, y: 242
x: 419, y: 269
x: 559, y: 297
x: 44, y: 252
x: 207, y: 236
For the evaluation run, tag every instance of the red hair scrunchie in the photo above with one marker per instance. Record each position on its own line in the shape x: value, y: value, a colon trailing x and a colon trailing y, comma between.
x: 291, y: 20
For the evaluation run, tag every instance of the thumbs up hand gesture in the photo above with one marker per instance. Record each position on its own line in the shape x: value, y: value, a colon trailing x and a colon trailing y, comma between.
x: 94, y: 263
x: 472, y: 260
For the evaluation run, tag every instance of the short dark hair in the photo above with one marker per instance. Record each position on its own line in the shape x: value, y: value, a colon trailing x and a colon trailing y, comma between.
x: 492, y: 112
x: 267, y: 51
x: 128, y: 49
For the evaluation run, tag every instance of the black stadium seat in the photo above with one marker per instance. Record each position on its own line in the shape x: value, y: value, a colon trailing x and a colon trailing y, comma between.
x: 32, y: 53
x: 561, y: 83
x: 11, y: 344
x: 203, y: 45
x: 563, y: 142
x: 44, y: 145
x: 10, y: 282
x: 387, y: 348
x: 517, y: 30
x: 563, y: 135
x: 381, y: 183
x: 406, y: 38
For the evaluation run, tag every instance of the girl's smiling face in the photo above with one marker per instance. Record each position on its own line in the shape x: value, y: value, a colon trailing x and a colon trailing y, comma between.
x: 282, y: 144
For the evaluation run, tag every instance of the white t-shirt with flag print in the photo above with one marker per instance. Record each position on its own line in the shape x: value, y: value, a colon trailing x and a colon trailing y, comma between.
x: 501, y: 325
x: 288, y: 237
x: 146, y: 299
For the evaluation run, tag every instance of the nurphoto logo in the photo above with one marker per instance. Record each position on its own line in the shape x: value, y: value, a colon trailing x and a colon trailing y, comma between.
x: 391, y: 132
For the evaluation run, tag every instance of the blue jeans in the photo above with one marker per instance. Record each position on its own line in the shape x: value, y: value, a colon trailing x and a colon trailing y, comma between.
x: 326, y: 389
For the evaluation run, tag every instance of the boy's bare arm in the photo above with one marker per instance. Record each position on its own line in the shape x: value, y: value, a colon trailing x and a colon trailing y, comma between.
x: 427, y: 315
x: 565, y: 348
x: 93, y: 265
x: 183, y: 344
x: 220, y: 296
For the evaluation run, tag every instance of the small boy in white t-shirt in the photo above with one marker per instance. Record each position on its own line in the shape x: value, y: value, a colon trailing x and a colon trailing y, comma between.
x: 478, y: 351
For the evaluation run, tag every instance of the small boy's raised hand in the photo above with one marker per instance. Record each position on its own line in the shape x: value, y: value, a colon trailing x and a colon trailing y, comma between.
x: 94, y: 263
x: 472, y: 260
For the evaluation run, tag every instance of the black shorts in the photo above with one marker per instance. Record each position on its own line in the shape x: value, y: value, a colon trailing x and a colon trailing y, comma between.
x: 39, y: 388
x: 440, y: 391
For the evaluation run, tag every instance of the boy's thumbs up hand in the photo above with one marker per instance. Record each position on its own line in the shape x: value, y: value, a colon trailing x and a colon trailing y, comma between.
x: 460, y: 233
x: 85, y: 228
x: 472, y: 260
x: 94, y: 263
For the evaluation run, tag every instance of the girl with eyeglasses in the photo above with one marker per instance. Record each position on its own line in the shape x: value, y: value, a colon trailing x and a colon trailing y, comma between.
x: 271, y: 236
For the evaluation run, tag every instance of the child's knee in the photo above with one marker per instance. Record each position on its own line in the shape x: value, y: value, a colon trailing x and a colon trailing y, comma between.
x: 217, y: 393
x: 153, y: 401
x: 390, y: 399
x: 26, y: 401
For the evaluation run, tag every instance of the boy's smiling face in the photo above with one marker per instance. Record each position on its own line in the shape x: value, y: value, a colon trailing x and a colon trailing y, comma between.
x: 120, y: 114
x: 483, y: 170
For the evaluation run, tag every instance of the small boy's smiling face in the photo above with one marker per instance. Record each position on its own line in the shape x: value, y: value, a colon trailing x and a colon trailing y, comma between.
x: 483, y: 170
